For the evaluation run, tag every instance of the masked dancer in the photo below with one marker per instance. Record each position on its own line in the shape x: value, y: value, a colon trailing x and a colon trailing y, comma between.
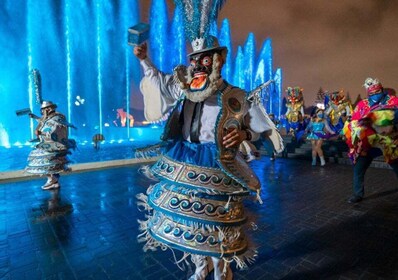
x: 366, y: 137
x: 196, y: 205
x: 49, y: 157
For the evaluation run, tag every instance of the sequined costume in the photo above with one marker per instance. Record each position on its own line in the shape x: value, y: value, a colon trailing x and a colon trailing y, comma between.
x: 49, y: 156
x: 316, y: 130
x: 196, y: 206
x: 338, y: 109
x: 295, y: 107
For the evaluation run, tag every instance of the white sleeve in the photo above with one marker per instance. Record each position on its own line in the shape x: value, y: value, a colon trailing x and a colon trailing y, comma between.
x: 159, y: 90
x: 259, y: 122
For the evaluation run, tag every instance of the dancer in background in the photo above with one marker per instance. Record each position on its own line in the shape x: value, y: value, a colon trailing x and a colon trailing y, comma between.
x: 317, y: 131
x: 338, y: 109
x: 294, y: 105
x: 302, y: 124
x: 371, y: 131
x: 50, y: 155
x: 196, y: 206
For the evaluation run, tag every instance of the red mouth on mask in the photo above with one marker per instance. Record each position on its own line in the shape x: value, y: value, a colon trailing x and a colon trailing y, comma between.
x: 374, y: 89
x: 199, y: 81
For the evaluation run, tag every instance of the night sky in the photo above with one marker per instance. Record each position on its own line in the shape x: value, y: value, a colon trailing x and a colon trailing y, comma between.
x: 319, y: 43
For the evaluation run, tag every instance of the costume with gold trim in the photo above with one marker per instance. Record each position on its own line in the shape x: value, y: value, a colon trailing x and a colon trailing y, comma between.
x: 295, y: 106
x: 338, y: 110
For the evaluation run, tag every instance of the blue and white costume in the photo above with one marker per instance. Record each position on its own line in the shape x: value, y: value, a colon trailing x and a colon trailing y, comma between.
x: 316, y: 130
x: 50, y: 155
x: 196, y: 205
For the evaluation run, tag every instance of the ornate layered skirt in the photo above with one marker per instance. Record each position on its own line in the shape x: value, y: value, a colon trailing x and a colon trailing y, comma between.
x: 50, y: 154
x: 44, y: 162
x: 195, y: 207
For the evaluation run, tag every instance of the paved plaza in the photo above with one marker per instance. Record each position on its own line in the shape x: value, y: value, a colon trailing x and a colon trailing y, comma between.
x: 304, y: 230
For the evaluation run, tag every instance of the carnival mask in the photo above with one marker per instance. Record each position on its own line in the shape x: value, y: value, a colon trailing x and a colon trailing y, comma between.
x: 335, y: 97
x: 373, y: 86
x: 338, y: 97
x: 200, y: 79
x: 47, y: 111
x: 375, y: 91
x: 294, y: 94
x: 200, y: 68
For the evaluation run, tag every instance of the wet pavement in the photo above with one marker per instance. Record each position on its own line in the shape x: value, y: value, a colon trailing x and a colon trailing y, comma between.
x: 304, y: 230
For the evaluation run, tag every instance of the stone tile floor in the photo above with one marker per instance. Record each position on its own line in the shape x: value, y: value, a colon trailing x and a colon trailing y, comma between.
x: 305, y: 228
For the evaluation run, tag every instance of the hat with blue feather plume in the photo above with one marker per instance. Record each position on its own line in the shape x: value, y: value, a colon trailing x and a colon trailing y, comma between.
x: 198, y: 16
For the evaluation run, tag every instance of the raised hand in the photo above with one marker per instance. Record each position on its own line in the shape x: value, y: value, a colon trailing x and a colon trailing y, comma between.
x: 140, y: 51
x: 33, y: 116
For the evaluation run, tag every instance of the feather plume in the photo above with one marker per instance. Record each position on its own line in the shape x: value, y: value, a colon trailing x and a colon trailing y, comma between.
x: 198, y: 16
x: 37, y: 83
x: 205, y: 16
x: 217, y: 5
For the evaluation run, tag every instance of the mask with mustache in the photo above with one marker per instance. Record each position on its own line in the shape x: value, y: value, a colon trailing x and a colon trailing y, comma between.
x: 201, y: 78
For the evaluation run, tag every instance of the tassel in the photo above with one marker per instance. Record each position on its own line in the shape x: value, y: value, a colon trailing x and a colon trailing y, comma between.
x: 149, y: 151
x: 227, y: 205
x: 146, y: 171
x: 258, y: 198
x: 142, y: 202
